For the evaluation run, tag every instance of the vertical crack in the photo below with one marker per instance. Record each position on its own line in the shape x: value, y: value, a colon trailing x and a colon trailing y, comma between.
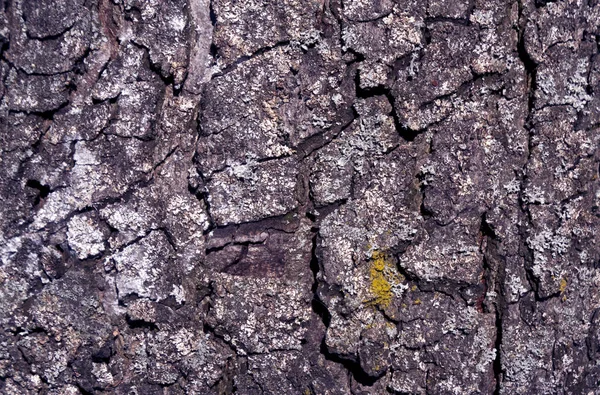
x: 531, y: 70
x: 494, y: 266
x: 318, y: 306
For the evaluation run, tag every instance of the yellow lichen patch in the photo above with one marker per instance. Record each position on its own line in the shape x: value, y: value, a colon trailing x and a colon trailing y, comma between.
x: 385, y: 279
x: 562, y: 288
x: 563, y: 285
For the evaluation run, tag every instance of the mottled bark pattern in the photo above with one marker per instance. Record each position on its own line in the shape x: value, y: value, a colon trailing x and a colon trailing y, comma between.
x: 299, y: 197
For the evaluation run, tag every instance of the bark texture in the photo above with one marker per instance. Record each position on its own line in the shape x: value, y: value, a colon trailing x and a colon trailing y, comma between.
x: 299, y: 197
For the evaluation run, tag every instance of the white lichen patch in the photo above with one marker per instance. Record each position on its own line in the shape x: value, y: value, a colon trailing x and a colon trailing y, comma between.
x: 261, y: 315
x: 269, y: 190
x: 85, y: 236
x: 142, y: 268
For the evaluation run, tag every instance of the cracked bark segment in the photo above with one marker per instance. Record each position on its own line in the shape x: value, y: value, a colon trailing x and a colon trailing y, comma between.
x: 20, y: 130
x: 66, y: 316
x: 557, y: 23
x: 431, y: 180
x: 556, y: 364
x: 4, y: 69
x: 130, y: 83
x: 391, y: 219
x: 260, y: 190
x: 350, y: 152
x: 264, y: 251
x: 446, y: 253
x: 162, y: 345
x: 414, y: 383
x: 562, y: 61
x: 170, y: 349
x: 146, y: 269
x: 590, y: 115
x: 395, y: 34
x: 21, y: 258
x: 389, y: 37
x: 364, y: 11
x: 44, y: 19
x: 475, y: 166
x: 560, y: 206
x: 207, y: 366
x: 36, y: 93
x: 92, y: 179
x: 495, y: 48
x: 485, y: 46
x: 505, y: 276
x: 85, y: 236
x: 291, y: 372
x: 183, y: 216
x: 423, y: 81
x: 67, y: 127
x: 162, y: 27
x: 267, y: 106
x: 381, y: 219
x: 17, y: 132
x: 241, y: 29
x: 562, y: 159
x: 56, y: 56
x: 54, y: 46
x: 449, y: 9
x: 258, y: 316
x: 436, y: 332
x: 555, y: 260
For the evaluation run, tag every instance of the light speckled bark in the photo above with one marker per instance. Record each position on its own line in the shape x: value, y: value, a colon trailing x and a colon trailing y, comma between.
x: 299, y: 197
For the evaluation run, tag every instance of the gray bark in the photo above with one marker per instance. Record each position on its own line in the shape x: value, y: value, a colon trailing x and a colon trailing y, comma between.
x: 299, y: 197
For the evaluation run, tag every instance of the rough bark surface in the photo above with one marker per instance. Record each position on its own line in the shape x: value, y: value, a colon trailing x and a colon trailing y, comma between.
x: 299, y: 197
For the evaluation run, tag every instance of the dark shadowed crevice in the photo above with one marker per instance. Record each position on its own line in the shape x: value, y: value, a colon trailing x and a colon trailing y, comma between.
x: 404, y: 132
x: 318, y: 307
x: 42, y: 191
x: 494, y: 276
x: 486, y: 229
x: 201, y: 193
x: 320, y: 140
x: 353, y: 367
x: 497, y: 364
x: 529, y: 64
x: 105, y: 352
x: 543, y: 3
x: 242, y: 59
x: 169, y: 237
x: 167, y: 79
x: 441, y: 19
x: 496, y: 272
x: 82, y: 390
x: 530, y: 67
x: 51, y: 37
x: 47, y: 114
x: 140, y: 324
x: 213, y: 49
x: 213, y: 15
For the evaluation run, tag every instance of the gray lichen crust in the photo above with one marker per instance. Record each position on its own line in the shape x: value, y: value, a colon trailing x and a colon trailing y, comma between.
x: 299, y: 197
